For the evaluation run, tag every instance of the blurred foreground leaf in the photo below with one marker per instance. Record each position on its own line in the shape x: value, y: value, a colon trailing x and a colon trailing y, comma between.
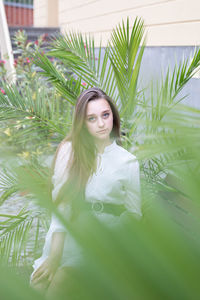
x: 153, y: 258
x: 12, y: 287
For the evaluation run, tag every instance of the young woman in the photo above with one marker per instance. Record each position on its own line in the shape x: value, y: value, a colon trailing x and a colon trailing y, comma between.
x: 93, y: 171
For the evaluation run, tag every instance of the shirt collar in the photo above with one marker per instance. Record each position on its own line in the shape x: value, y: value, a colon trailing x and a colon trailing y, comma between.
x: 109, y: 147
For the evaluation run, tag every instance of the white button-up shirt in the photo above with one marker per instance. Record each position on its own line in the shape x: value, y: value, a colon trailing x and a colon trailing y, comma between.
x: 116, y: 181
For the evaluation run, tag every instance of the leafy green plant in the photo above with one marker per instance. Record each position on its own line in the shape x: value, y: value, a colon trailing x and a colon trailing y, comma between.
x: 13, y: 237
x: 116, y: 70
x: 18, y: 247
x: 25, y: 68
x: 2, y: 72
x: 152, y: 126
x: 30, y: 106
x: 154, y: 258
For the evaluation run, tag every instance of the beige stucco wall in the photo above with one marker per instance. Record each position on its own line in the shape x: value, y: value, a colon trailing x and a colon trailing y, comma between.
x: 168, y: 22
x: 46, y: 13
x: 40, y: 13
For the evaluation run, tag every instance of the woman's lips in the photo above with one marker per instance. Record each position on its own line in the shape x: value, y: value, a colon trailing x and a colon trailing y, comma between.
x: 102, y: 131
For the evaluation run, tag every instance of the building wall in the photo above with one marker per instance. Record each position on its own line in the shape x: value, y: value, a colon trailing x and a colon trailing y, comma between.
x: 46, y: 13
x: 19, y: 14
x: 172, y: 26
x: 168, y: 22
x: 40, y: 15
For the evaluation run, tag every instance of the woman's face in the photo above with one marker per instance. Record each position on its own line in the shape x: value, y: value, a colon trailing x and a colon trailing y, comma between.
x: 99, y: 119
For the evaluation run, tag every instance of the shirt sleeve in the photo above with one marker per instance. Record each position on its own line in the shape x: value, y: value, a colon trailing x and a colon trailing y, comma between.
x: 56, y: 225
x: 132, y: 199
x: 58, y: 179
x: 60, y: 168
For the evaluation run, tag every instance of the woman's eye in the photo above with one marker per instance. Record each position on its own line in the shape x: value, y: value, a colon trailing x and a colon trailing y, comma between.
x: 91, y: 119
x: 106, y: 115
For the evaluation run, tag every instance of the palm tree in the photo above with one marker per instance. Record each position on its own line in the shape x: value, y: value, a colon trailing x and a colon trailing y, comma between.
x: 146, y: 121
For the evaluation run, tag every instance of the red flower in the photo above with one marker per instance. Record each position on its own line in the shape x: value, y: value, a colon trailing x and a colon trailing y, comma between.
x: 2, y: 90
x: 36, y: 42
x: 84, y: 83
x: 2, y: 61
x: 28, y: 60
x: 44, y: 36
x: 15, y: 62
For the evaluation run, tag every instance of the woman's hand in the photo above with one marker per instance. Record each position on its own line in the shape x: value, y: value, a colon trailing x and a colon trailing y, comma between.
x: 46, y: 271
x: 43, y: 276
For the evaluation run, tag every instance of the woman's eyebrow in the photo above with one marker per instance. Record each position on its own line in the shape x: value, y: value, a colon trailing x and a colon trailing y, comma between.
x: 90, y: 115
x: 107, y: 110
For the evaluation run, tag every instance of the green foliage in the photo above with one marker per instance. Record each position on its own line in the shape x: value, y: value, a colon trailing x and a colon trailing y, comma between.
x: 153, y: 258
x: 2, y: 72
x: 8, y: 184
x: 157, y: 257
x: 31, y: 107
x: 167, y: 95
x: 67, y: 87
x: 12, y: 286
x: 125, y: 52
x: 32, y: 112
x: 16, y: 233
x: 16, y: 230
x: 13, y: 236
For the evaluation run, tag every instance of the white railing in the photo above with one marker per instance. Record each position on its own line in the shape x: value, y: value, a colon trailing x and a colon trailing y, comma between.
x: 5, y: 45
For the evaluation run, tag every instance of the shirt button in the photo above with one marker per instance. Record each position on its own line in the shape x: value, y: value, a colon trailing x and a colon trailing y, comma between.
x: 97, y: 206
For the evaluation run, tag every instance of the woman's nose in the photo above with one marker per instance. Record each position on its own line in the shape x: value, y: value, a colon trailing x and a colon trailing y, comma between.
x: 100, y: 122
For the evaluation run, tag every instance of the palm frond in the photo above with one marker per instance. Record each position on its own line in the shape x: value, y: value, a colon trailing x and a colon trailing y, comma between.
x: 13, y: 236
x: 66, y: 85
x: 167, y: 94
x: 8, y: 184
x: 78, y: 54
x: 18, y: 246
x: 125, y: 53
x: 33, y: 113
x: 170, y: 140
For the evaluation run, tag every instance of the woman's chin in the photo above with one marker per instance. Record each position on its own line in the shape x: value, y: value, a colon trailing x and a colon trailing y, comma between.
x: 102, y: 136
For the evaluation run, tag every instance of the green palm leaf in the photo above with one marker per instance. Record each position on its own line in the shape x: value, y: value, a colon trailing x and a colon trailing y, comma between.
x: 8, y: 184
x: 167, y: 94
x: 79, y: 56
x: 115, y: 70
x: 13, y: 236
x: 125, y: 52
x: 36, y: 113
x: 18, y: 244
x: 67, y: 86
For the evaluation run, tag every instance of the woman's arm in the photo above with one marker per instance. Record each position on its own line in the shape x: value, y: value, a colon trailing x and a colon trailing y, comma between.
x: 49, y: 267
